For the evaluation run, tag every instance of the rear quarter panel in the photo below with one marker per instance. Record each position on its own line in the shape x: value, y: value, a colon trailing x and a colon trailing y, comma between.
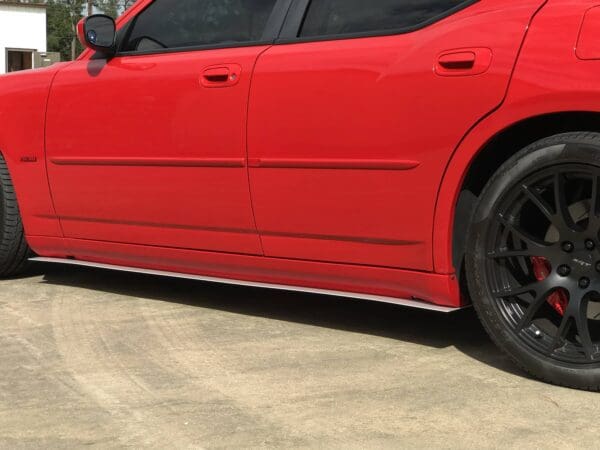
x: 548, y: 78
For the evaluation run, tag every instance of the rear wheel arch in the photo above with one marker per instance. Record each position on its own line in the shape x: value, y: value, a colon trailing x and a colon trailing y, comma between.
x: 493, y: 154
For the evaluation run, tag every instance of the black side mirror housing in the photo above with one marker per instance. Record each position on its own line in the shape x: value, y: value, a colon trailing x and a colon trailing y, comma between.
x: 98, y: 32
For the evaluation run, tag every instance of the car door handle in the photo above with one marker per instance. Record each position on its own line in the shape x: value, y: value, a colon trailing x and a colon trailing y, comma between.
x: 221, y: 76
x: 457, y: 61
x: 463, y: 62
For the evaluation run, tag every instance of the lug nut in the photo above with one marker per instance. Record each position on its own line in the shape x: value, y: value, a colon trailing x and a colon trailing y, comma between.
x: 584, y: 283
x: 598, y: 266
x: 565, y: 270
x: 589, y: 244
x: 568, y: 247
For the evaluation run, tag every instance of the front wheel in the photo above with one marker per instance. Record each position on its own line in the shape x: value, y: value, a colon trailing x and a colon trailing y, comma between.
x: 14, y: 251
x: 533, y: 259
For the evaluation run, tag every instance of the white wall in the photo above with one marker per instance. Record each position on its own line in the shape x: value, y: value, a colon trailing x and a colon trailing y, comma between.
x: 21, y: 27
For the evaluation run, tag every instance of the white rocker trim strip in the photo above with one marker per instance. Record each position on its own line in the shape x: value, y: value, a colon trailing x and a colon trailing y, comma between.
x: 375, y: 298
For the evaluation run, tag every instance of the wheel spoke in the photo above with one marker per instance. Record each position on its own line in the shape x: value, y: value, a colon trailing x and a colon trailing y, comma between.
x: 561, y: 333
x: 583, y: 329
x: 595, y: 196
x: 532, y: 310
x: 576, y: 314
x: 501, y: 254
x: 539, y: 202
x: 513, y: 291
x: 531, y: 241
x: 594, y: 214
x: 563, y: 219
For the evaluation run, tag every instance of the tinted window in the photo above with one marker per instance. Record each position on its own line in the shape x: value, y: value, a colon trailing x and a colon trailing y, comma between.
x: 332, y: 17
x: 189, y: 23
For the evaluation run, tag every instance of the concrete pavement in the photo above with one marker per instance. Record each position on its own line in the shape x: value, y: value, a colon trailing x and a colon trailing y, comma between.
x: 104, y: 359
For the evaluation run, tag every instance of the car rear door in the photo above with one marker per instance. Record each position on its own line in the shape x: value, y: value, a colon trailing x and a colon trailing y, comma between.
x: 354, y: 116
x: 149, y: 147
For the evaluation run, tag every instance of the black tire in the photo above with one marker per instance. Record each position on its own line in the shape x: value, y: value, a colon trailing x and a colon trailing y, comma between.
x: 533, y: 259
x: 14, y: 251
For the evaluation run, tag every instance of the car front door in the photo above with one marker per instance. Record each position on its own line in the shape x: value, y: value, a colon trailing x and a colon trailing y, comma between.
x: 354, y: 117
x: 149, y: 147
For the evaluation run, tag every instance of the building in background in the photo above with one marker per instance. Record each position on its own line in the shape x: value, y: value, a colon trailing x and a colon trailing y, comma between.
x: 23, y: 37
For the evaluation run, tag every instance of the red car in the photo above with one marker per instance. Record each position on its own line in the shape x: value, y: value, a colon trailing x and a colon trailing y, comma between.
x: 430, y: 153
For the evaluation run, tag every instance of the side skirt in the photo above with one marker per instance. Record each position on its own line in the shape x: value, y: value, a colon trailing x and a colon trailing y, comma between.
x: 374, y: 298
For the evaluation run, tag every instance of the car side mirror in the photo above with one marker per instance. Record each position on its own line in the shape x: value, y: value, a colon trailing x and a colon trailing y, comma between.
x: 98, y: 32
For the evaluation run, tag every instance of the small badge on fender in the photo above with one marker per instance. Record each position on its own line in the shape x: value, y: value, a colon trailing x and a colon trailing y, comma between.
x: 28, y: 159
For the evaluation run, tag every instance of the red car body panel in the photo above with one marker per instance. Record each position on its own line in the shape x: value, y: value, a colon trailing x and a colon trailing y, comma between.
x: 168, y: 166
x: 334, y: 164
x: 340, y: 170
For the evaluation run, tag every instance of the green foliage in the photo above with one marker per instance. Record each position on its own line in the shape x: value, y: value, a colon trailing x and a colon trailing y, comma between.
x: 109, y: 7
x: 62, y: 17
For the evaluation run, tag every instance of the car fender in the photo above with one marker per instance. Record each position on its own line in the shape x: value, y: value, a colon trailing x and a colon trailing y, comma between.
x: 23, y: 99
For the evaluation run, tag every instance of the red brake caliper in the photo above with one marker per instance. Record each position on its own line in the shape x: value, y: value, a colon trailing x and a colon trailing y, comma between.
x: 541, y: 269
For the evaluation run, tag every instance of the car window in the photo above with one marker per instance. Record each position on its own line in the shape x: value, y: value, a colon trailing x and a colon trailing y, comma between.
x: 169, y: 24
x: 338, y: 17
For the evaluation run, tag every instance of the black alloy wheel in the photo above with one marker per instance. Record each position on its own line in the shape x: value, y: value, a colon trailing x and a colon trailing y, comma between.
x: 533, y: 262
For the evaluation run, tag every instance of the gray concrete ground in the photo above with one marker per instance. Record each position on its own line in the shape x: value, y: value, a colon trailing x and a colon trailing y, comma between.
x: 96, y: 358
